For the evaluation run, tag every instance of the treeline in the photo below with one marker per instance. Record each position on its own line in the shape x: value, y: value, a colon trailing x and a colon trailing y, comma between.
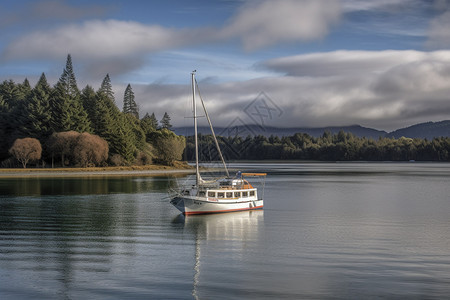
x: 44, y: 113
x: 338, y: 147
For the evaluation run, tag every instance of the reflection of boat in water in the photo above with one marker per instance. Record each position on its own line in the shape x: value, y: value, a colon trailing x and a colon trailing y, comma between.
x: 218, y: 233
x: 236, y: 226
x: 217, y: 195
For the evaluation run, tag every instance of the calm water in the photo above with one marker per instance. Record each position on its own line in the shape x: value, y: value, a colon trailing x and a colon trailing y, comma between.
x: 328, y: 231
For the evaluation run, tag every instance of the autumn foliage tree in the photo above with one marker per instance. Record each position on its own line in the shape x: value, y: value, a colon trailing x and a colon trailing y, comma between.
x: 83, y: 149
x: 62, y: 143
x: 90, y: 150
x: 26, y: 150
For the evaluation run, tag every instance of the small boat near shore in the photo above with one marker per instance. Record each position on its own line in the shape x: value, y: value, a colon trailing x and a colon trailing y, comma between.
x: 219, y: 195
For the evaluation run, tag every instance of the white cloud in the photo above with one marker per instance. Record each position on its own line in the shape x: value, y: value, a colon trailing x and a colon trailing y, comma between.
x: 257, y: 24
x: 340, y: 62
x: 264, y: 23
x: 98, y: 39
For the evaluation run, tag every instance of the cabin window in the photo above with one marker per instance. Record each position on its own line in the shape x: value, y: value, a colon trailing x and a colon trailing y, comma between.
x: 244, y: 194
x: 252, y: 193
x: 220, y: 195
x: 202, y: 194
x: 229, y: 195
x: 212, y: 194
x: 237, y: 194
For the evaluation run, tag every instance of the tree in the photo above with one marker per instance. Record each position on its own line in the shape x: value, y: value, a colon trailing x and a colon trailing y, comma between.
x: 129, y: 105
x: 26, y: 150
x: 149, y: 123
x: 68, y: 112
x: 89, y: 100
x: 63, y: 143
x: 153, y: 121
x: 169, y: 147
x: 106, y: 88
x: 67, y: 81
x: 11, y: 97
x: 165, y: 121
x: 90, y: 150
x: 37, y: 110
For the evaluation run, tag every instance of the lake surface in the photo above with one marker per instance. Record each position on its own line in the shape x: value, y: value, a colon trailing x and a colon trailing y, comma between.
x: 328, y: 231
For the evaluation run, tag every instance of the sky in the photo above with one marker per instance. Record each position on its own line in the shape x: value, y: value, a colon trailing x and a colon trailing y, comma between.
x: 383, y: 64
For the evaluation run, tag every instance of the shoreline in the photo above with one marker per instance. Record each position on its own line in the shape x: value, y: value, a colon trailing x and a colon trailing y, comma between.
x: 151, y: 170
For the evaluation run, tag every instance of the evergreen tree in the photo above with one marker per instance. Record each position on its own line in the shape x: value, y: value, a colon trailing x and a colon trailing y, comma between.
x: 68, y: 112
x: 129, y: 105
x: 11, y: 93
x: 106, y: 88
x: 165, y: 121
x: 149, y: 123
x: 105, y: 114
x: 11, y: 114
x: 153, y: 121
x: 25, y: 89
x: 88, y: 99
x: 61, y: 110
x: 38, y: 111
x: 122, y: 141
x: 67, y: 82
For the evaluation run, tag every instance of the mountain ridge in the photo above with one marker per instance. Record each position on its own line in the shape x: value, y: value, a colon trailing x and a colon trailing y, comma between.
x: 427, y: 130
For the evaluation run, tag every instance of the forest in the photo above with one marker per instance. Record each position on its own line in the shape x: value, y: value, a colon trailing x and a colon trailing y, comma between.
x: 62, y: 126
x: 328, y: 147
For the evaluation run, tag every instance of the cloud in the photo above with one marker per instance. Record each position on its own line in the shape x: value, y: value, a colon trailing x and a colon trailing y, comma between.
x: 38, y: 12
x: 385, y: 90
x: 257, y: 24
x: 98, y: 39
x: 340, y: 62
x: 375, y: 5
x: 265, y: 23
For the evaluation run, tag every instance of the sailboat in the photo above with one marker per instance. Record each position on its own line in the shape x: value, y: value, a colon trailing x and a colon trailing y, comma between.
x: 226, y: 194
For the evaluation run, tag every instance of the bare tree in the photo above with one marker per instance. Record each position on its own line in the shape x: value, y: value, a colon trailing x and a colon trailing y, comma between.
x: 26, y: 150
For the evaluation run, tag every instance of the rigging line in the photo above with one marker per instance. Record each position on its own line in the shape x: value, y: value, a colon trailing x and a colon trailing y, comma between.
x: 212, y: 130
x: 188, y: 103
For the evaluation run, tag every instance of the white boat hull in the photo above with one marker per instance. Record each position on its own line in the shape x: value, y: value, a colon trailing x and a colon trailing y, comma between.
x: 194, y: 206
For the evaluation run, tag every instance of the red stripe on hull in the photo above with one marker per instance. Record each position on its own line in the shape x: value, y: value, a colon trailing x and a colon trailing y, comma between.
x: 220, y: 211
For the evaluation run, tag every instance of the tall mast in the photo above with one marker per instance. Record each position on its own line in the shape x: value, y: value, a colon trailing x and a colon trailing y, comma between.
x: 197, y: 171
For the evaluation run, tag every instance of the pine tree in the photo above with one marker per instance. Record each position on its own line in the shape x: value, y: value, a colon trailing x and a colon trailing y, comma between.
x: 12, y: 115
x: 25, y: 89
x: 165, y: 121
x: 67, y: 82
x: 104, y: 116
x: 149, y: 123
x: 106, y: 88
x: 88, y: 99
x: 129, y: 105
x: 122, y: 141
x: 38, y: 111
x: 68, y: 112
x: 153, y: 121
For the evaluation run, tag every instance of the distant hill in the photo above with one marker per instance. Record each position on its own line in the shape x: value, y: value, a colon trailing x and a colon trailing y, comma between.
x: 245, y: 130
x: 427, y: 130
